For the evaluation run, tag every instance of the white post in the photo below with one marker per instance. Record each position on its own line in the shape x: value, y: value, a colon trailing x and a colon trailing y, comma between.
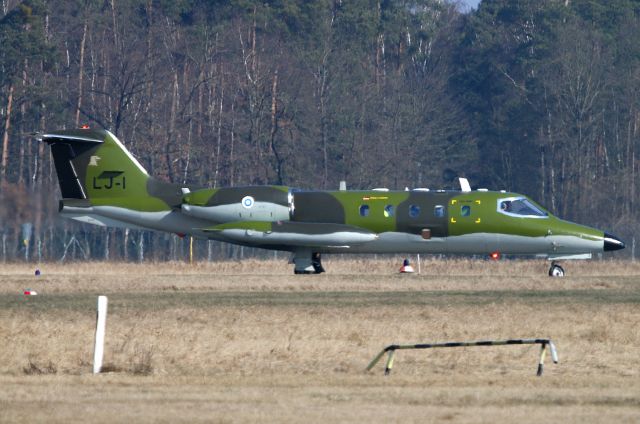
x: 419, y: 266
x: 101, y: 323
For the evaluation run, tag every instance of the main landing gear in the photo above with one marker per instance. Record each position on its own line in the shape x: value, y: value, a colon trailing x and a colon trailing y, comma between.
x: 307, y: 262
x: 556, y: 270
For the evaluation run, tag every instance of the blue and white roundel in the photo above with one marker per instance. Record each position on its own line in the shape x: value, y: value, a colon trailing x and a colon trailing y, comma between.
x: 247, y: 202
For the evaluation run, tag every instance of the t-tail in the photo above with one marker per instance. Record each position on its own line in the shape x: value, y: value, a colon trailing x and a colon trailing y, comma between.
x: 102, y: 183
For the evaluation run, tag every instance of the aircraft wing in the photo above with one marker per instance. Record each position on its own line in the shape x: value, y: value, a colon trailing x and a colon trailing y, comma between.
x: 303, y: 234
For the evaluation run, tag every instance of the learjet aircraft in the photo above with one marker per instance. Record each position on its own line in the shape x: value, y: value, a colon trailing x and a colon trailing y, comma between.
x: 103, y: 184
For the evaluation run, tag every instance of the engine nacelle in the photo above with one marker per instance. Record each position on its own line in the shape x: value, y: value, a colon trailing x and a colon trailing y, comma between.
x: 253, y: 203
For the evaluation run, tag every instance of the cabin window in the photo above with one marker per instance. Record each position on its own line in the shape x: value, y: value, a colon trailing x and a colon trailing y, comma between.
x: 364, y: 210
x: 414, y: 211
x: 520, y: 207
x: 388, y: 211
x: 438, y: 211
x: 465, y: 210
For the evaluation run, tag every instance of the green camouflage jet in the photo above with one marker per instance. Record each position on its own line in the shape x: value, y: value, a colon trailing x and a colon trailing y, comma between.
x: 103, y: 184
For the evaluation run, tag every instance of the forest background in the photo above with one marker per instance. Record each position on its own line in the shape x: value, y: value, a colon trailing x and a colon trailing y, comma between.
x: 540, y: 97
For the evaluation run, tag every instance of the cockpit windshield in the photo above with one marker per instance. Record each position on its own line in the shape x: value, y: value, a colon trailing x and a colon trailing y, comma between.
x: 520, y: 207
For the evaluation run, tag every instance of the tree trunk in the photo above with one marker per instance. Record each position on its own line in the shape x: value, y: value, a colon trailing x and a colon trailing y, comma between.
x: 107, y: 232
x: 23, y: 113
x: 185, y: 84
x: 231, y: 148
x: 125, y: 245
x: 114, y: 25
x: 141, y: 247
x: 219, y: 130
x: 172, y: 126
x: 274, y: 126
x: 5, y: 139
x: 81, y: 71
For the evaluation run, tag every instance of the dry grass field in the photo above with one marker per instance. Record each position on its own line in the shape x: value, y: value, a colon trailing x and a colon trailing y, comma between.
x: 249, y: 342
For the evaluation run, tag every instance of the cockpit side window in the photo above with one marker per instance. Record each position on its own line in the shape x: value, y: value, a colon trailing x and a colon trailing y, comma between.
x: 520, y: 207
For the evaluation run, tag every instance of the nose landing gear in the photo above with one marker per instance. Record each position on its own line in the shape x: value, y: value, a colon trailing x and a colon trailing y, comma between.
x: 556, y: 270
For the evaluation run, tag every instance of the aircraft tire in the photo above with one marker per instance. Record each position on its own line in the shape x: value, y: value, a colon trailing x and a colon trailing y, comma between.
x: 556, y: 271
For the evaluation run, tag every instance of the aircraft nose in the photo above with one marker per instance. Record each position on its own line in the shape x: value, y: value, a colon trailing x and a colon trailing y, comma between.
x: 612, y: 243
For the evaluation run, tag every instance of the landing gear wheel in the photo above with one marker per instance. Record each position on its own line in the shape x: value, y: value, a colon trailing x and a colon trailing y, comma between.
x: 316, y: 262
x: 556, y: 270
x: 307, y: 262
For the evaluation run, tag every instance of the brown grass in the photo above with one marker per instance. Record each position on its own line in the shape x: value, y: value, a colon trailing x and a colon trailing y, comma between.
x: 335, y: 264
x: 213, y: 343
x: 34, y: 368
x: 343, y: 274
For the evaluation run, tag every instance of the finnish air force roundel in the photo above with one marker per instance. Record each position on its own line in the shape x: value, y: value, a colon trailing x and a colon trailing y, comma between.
x: 247, y: 202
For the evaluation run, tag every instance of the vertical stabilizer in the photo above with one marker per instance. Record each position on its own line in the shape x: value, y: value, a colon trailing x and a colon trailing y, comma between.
x: 94, y: 165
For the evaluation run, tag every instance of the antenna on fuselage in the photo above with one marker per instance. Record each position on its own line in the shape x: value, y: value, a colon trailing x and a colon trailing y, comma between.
x: 464, y: 185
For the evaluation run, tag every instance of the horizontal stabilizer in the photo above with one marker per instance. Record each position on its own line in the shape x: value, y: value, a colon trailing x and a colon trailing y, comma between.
x: 79, y: 135
x: 308, y: 234
x: 69, y: 149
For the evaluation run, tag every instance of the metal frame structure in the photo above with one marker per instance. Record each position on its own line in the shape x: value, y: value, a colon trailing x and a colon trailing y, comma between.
x: 391, y: 349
